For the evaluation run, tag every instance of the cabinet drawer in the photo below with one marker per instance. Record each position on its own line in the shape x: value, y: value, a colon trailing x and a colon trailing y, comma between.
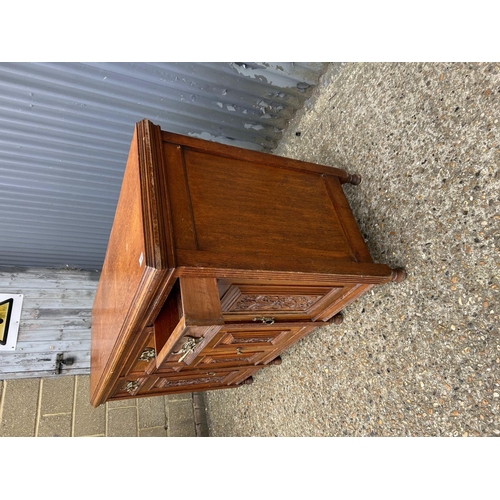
x: 247, y: 301
x: 144, y: 362
x: 189, y: 319
x: 198, y: 380
x: 128, y: 387
x: 248, y: 344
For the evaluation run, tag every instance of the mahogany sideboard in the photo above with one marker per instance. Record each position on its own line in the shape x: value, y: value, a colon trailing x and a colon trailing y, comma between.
x: 219, y: 258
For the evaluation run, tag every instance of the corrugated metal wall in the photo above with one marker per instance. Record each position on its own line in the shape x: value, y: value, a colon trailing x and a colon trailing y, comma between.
x: 65, y: 130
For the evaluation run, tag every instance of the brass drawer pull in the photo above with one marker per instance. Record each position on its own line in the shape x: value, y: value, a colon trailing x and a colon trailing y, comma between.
x: 131, y: 386
x: 148, y: 354
x: 187, y: 348
x: 266, y: 321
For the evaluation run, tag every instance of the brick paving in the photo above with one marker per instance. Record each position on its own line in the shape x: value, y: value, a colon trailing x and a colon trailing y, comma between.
x: 59, y: 407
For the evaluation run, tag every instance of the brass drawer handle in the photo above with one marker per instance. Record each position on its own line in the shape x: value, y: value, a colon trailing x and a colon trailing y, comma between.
x: 187, y: 348
x: 266, y: 321
x: 132, y: 386
x: 148, y: 354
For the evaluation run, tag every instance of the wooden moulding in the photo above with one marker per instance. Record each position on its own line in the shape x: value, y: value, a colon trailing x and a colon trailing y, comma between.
x: 137, y: 263
x: 254, y: 157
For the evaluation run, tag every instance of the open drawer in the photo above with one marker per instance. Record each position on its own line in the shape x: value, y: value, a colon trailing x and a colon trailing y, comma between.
x: 189, y: 319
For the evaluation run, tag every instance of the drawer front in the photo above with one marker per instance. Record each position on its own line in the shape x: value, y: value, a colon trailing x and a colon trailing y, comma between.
x: 270, y: 303
x: 186, y: 349
x: 196, y: 380
x: 128, y: 387
x: 145, y: 360
x: 248, y: 344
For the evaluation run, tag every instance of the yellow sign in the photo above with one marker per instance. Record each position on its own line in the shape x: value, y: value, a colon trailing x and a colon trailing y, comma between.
x: 5, y: 315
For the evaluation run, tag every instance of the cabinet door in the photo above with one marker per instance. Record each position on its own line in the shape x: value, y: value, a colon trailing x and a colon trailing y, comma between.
x: 267, y: 303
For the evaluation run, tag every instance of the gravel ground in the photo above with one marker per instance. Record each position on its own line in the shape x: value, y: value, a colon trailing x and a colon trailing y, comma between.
x: 419, y: 358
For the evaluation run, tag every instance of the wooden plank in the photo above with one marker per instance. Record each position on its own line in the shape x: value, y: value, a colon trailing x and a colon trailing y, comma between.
x: 348, y: 272
x: 79, y: 295
x: 53, y: 279
x: 347, y: 220
x: 39, y: 361
x: 50, y: 329
x: 183, y: 225
x: 56, y: 318
x: 81, y: 300
x: 43, y: 273
x: 9, y: 286
x: 56, y: 314
x: 54, y: 335
x: 64, y: 345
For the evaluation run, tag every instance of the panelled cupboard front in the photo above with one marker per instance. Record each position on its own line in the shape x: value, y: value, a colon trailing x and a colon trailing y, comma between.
x: 218, y: 260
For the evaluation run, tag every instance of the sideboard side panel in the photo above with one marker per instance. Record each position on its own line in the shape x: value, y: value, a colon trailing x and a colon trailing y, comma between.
x: 122, y: 272
x: 281, y: 219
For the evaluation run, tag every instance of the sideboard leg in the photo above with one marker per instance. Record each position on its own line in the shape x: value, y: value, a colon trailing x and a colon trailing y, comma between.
x: 338, y: 319
x: 276, y: 361
x: 398, y: 275
x: 248, y: 381
x: 353, y: 179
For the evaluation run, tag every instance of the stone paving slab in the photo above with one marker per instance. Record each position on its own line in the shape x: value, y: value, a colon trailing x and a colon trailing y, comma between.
x: 60, y: 407
x: 19, y: 407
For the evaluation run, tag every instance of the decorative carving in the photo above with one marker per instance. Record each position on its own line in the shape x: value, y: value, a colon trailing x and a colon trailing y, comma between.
x: 256, y: 302
x: 193, y: 381
x: 254, y: 340
x: 232, y: 360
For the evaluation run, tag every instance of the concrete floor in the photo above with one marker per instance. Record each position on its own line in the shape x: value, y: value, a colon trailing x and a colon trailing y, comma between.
x: 420, y: 358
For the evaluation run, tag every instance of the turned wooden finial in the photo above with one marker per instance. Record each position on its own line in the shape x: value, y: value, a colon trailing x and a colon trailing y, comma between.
x: 398, y: 275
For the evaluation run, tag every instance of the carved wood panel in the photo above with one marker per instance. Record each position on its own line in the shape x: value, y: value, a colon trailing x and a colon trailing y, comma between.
x: 253, y: 302
x: 266, y: 303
